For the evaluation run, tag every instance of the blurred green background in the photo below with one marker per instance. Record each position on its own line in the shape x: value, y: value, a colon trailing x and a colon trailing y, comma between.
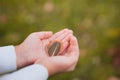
x: 96, y: 24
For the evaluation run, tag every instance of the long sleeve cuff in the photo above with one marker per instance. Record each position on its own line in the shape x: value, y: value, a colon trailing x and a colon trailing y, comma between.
x: 33, y: 72
x: 7, y: 59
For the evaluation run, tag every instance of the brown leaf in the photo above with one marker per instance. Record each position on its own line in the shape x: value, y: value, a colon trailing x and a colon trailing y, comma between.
x: 54, y: 48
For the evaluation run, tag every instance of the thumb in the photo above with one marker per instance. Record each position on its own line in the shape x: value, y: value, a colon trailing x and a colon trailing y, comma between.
x: 45, y: 35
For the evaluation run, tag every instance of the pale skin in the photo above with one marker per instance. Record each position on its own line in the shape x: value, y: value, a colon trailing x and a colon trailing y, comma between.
x: 34, y: 51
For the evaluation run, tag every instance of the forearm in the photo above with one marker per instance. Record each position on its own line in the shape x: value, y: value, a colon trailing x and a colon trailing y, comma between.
x: 33, y: 72
x: 11, y: 59
x: 7, y: 59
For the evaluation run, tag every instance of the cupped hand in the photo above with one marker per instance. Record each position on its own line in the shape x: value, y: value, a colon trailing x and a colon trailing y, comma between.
x: 61, y: 63
x: 30, y: 50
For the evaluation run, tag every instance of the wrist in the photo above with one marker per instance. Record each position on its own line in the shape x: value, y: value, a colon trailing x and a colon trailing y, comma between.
x: 21, y: 59
x: 47, y: 65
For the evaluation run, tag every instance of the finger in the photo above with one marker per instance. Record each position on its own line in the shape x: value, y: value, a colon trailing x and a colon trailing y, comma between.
x: 63, y: 36
x: 72, y: 67
x: 45, y: 43
x: 63, y: 48
x: 66, y: 38
x: 65, y: 43
x: 45, y: 35
x: 74, y: 48
x: 58, y: 34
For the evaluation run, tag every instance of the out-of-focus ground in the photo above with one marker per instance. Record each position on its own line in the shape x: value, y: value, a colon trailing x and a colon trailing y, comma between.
x: 96, y: 24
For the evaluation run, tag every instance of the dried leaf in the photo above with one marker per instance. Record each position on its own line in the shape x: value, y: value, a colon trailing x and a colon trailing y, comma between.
x: 54, y: 49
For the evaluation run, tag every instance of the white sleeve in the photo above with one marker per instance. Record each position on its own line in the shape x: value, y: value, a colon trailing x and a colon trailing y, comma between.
x: 33, y: 72
x: 7, y: 59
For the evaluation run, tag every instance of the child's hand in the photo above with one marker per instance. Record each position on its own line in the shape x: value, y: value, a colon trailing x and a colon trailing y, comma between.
x: 30, y: 50
x: 63, y: 63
